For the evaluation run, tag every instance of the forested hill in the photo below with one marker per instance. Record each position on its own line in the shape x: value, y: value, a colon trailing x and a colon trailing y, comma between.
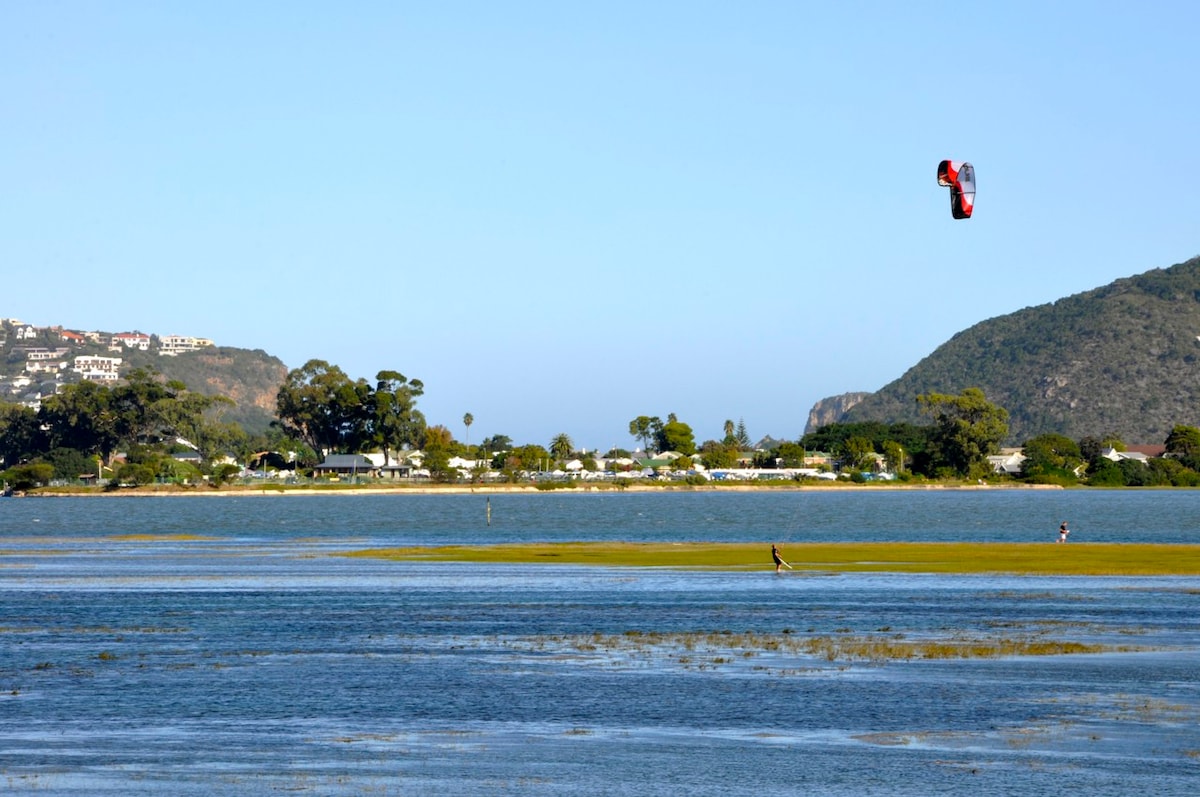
x: 250, y: 377
x: 1123, y: 359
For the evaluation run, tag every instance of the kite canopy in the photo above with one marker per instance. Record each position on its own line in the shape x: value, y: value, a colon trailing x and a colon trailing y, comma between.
x: 960, y: 178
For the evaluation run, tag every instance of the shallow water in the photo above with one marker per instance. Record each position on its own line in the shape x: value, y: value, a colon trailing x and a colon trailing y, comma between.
x: 1167, y: 516
x: 253, y: 662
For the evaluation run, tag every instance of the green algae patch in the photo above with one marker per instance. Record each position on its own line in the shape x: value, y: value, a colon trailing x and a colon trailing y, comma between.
x: 1092, y: 559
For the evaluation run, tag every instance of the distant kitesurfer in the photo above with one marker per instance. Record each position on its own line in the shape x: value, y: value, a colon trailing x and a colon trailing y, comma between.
x: 778, y: 559
x: 1063, y: 531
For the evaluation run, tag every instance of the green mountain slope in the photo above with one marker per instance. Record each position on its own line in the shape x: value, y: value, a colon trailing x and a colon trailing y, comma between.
x: 1124, y: 359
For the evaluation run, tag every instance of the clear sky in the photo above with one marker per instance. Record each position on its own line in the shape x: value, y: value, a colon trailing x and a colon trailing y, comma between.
x: 560, y: 216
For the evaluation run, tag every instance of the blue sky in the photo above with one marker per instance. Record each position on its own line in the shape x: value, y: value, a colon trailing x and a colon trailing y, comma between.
x: 560, y: 216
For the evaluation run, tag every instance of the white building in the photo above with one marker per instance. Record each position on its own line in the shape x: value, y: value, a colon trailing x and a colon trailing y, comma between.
x: 131, y: 340
x: 170, y: 345
x: 32, y: 355
x: 45, y: 366
x: 97, y: 369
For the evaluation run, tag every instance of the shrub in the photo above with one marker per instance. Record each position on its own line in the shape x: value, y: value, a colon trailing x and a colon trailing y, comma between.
x: 223, y: 473
x: 130, y: 474
x: 26, y: 477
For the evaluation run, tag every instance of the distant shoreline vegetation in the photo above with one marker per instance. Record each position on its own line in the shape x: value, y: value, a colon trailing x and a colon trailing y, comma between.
x: 145, y: 432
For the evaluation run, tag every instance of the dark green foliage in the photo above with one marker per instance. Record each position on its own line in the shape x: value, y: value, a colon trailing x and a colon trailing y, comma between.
x: 1136, y: 474
x: 966, y: 429
x: 645, y: 428
x: 1172, y: 472
x: 561, y: 447
x: 1103, y: 472
x: 1119, y: 358
x: 790, y: 455
x: 1090, y: 448
x: 69, y: 463
x: 326, y: 410
x: 1051, y: 458
x: 912, y: 437
x: 741, y: 435
x: 82, y: 417
x: 1184, y: 441
x: 437, y: 462
x: 135, y: 474
x: 84, y: 420
x: 26, y: 477
x: 856, y: 454
x: 676, y: 436
x: 223, y: 473
x: 393, y: 419
x: 528, y: 457
x: 714, y: 455
x: 21, y: 434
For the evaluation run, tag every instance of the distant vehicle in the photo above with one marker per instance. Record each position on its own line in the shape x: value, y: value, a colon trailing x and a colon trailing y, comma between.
x: 959, y: 177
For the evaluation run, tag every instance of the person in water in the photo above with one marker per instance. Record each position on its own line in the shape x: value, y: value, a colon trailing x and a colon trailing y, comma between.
x: 775, y: 555
x: 1063, y: 531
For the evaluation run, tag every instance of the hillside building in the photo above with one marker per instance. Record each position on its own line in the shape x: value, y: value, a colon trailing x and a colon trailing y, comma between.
x: 97, y: 369
x: 170, y: 345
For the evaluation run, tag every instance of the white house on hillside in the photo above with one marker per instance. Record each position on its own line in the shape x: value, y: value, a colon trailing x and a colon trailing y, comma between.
x: 97, y: 369
x: 131, y: 340
x: 170, y: 345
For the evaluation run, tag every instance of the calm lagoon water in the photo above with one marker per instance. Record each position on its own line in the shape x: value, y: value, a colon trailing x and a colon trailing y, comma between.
x: 254, y: 660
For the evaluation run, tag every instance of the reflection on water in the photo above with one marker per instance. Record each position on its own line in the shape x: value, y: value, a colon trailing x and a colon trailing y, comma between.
x: 250, y: 662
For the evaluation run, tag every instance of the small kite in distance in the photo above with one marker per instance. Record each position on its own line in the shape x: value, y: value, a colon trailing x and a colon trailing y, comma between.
x: 960, y: 178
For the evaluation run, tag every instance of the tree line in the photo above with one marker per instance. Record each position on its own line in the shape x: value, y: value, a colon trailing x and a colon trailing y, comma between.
x: 967, y: 429
x: 320, y: 410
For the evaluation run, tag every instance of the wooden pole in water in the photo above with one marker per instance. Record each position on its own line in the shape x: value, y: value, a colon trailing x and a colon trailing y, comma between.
x: 489, y: 511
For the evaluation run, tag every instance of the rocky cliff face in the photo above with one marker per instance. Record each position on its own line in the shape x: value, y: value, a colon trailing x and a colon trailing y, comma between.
x: 830, y: 410
x: 250, y: 377
x: 249, y: 382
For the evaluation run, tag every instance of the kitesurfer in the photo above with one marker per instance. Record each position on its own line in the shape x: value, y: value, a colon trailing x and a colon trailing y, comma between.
x: 1063, y: 531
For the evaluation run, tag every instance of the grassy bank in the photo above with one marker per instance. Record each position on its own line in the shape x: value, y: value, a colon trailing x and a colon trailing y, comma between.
x: 900, y: 557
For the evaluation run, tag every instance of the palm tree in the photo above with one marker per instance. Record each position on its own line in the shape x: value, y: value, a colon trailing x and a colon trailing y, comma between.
x: 561, y: 447
x: 468, y: 419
